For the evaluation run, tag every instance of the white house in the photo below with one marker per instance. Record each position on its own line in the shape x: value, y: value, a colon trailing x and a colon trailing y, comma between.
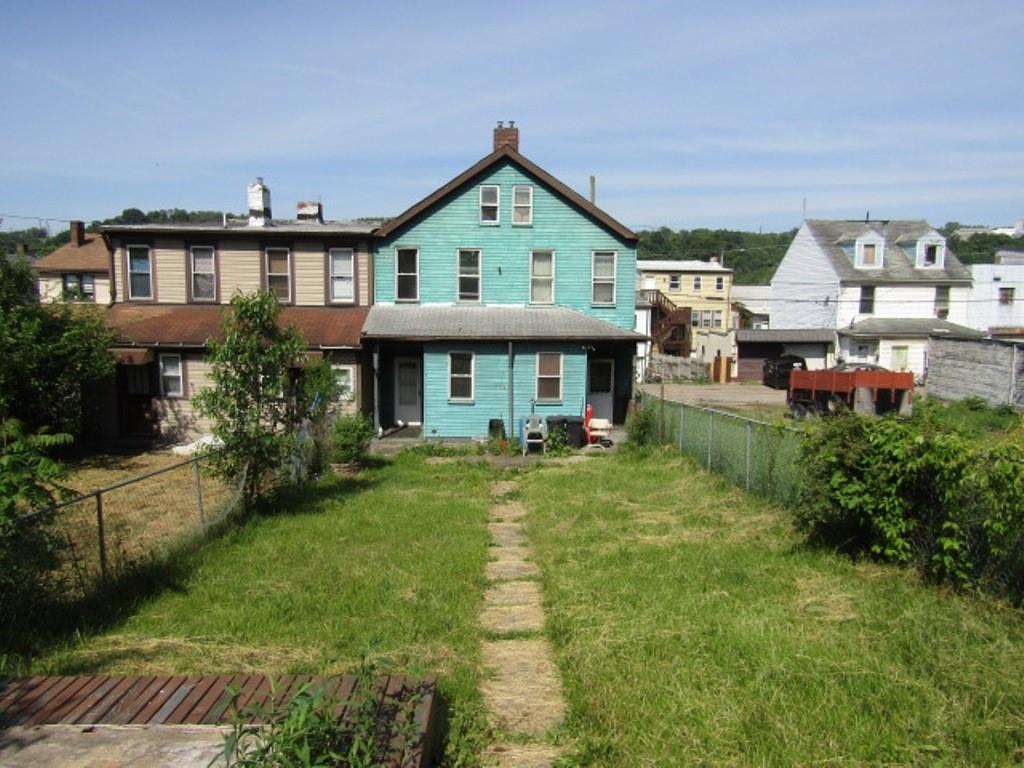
x: 996, y: 302
x: 885, y: 287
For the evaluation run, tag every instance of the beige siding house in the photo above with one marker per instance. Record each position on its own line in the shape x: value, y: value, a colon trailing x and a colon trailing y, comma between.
x: 78, y: 271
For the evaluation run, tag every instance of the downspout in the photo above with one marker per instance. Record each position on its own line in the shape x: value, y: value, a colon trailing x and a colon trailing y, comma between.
x: 511, y: 394
x: 376, y: 388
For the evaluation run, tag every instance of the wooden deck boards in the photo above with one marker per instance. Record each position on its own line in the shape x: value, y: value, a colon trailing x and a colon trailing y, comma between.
x: 212, y: 700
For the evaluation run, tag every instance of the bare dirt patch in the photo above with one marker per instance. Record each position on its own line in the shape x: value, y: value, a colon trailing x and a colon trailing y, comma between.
x: 523, y: 693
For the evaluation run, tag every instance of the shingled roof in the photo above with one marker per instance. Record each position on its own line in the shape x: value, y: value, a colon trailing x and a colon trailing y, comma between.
x: 900, y: 239
x: 908, y: 327
x: 417, y: 323
x: 192, y: 326
x: 91, y: 256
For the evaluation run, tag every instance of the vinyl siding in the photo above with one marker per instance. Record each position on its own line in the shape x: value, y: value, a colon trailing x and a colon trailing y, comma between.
x: 239, y: 264
x: 308, y: 264
x: 706, y: 298
x: 51, y: 288
x: 445, y: 419
x: 905, y: 301
x: 169, y: 265
x: 805, y: 286
x: 984, y: 310
x: 505, y: 248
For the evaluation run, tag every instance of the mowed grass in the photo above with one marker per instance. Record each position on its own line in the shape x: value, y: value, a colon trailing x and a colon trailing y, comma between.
x: 692, y: 628
x: 386, y: 567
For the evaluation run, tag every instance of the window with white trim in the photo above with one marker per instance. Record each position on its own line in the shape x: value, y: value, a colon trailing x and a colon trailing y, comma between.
x: 345, y: 382
x: 79, y: 287
x: 931, y: 254
x: 342, y: 266
x: 869, y: 254
x: 490, y: 204
x: 204, y: 273
x: 716, y: 318
x: 603, y: 277
x: 172, y: 380
x: 675, y: 282
x: 719, y: 283
x: 279, y: 275
x: 469, y: 274
x: 407, y: 274
x: 522, y: 205
x: 696, y: 282
x: 549, y: 377
x: 460, y: 376
x: 866, y: 306
x: 1006, y: 295
x: 942, y: 301
x: 542, y: 277
x: 140, y: 272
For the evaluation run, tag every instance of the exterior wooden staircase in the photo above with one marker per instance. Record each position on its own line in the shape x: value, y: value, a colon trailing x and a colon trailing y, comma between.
x: 670, y: 324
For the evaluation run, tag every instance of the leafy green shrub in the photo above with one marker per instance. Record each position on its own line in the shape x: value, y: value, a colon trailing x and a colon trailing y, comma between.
x: 906, y: 492
x: 641, y: 427
x: 557, y: 443
x: 352, y: 436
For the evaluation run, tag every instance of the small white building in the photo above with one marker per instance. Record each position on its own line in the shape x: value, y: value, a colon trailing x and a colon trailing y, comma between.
x: 883, y: 286
x: 996, y: 301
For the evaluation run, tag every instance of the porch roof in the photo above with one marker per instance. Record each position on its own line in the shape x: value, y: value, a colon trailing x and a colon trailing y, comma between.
x: 192, y: 326
x: 425, y: 323
x: 908, y: 327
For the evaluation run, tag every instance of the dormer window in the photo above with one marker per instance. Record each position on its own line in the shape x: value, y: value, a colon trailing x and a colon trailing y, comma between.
x: 869, y: 254
x: 931, y: 254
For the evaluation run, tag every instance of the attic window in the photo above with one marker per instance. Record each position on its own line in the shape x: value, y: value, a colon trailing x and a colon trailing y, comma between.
x: 489, y: 203
x: 931, y: 254
x: 869, y: 254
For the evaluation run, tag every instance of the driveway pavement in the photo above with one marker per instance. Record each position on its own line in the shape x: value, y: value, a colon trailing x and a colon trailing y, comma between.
x: 730, y: 397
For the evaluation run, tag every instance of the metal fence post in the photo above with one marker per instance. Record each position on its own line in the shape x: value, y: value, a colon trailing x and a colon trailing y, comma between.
x: 749, y: 432
x: 199, y: 493
x: 101, y: 536
x: 682, y: 412
x: 661, y: 420
x: 711, y: 435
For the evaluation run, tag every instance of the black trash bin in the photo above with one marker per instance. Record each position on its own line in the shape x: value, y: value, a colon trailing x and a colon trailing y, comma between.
x: 574, y: 430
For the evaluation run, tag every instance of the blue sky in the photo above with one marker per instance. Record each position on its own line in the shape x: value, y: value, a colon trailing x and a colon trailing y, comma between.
x: 689, y: 114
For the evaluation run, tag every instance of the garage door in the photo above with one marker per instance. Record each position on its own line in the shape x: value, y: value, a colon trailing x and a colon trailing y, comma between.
x: 749, y: 368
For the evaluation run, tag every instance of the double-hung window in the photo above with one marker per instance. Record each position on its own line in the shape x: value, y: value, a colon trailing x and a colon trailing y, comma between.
x: 719, y: 283
x: 522, y: 205
x: 716, y: 318
x: 140, y: 272
x: 696, y: 282
x: 603, y: 277
x: 342, y: 266
x: 542, y: 277
x: 204, y: 273
x: 469, y: 274
x: 549, y: 377
x: 79, y: 287
x: 674, y: 282
x: 172, y: 383
x: 407, y: 275
x: 1006, y: 295
x: 942, y: 301
x: 490, y: 204
x: 867, y: 300
x: 460, y: 376
x: 279, y: 275
x: 345, y: 382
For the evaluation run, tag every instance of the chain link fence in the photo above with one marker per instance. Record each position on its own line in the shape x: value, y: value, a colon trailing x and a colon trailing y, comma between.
x: 756, y: 455
x: 101, y: 535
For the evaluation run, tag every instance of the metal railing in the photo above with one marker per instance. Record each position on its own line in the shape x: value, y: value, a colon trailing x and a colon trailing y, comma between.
x: 756, y: 455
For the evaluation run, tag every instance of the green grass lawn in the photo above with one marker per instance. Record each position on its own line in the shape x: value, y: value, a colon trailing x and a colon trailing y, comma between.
x: 692, y: 628
x: 388, y: 566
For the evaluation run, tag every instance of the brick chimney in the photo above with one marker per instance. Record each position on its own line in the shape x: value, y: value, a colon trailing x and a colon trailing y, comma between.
x: 506, y: 137
x: 77, y: 233
x: 310, y: 211
x: 259, y: 203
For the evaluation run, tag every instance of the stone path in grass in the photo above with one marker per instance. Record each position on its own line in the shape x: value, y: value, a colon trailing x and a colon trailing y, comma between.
x: 521, y: 689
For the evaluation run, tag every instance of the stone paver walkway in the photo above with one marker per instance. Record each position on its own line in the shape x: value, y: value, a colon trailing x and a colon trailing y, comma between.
x: 521, y: 690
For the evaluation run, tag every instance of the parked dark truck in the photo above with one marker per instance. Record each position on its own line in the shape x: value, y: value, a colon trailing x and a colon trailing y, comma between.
x: 862, y: 389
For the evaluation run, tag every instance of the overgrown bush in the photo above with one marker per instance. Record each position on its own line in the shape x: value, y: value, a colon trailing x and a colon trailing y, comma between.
x: 557, y: 443
x: 641, y: 427
x: 908, y: 492
x: 352, y: 436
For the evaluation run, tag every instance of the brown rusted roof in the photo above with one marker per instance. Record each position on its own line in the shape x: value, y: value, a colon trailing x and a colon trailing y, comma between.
x: 571, y: 196
x: 191, y: 326
x: 92, y: 256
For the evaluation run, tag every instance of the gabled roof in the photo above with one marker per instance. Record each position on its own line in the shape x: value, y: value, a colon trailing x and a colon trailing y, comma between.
x: 898, y: 264
x: 91, y: 256
x: 501, y: 154
x: 423, y: 323
x: 908, y: 327
x: 191, y: 326
x: 678, y: 265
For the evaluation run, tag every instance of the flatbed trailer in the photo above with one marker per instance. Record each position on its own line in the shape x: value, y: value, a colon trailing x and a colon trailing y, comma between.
x: 867, y: 391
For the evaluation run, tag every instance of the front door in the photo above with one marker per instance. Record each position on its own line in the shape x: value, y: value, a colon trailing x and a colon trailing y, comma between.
x: 900, y: 358
x: 408, y: 403
x: 601, y: 388
x: 135, y: 417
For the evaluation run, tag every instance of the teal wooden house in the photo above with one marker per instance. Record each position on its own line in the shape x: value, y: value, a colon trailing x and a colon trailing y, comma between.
x: 501, y: 294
